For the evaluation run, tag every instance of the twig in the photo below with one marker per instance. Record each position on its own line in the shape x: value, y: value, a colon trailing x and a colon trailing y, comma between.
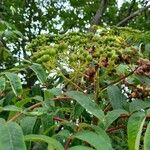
x: 99, y: 13
x: 107, y: 108
x: 69, y: 140
x: 118, y: 80
x: 20, y: 113
x: 116, y: 128
x: 136, y: 13
x: 61, y: 98
x: 35, y: 106
x: 58, y: 119
x: 70, y: 81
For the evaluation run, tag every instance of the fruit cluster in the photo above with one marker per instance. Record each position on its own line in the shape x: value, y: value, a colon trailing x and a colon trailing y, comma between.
x: 140, y: 92
x: 143, y: 67
x: 83, y: 53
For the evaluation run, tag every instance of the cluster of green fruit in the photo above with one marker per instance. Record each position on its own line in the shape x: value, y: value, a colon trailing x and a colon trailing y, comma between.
x: 40, y: 40
x: 76, y: 49
x: 44, y: 54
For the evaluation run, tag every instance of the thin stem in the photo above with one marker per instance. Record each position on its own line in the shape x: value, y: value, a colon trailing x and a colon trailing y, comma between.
x: 79, y: 88
x: 61, y: 98
x: 69, y: 140
x: 20, y: 113
x: 116, y: 128
x: 35, y: 106
x: 118, y: 80
x: 96, y: 84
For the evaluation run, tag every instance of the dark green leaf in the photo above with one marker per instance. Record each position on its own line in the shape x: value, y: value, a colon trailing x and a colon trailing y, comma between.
x: 147, y: 48
x: 113, y: 115
x: 144, y: 80
x: 81, y: 148
x: 52, y: 143
x: 102, y: 133
x: 40, y: 72
x: 2, y: 84
x: 15, y: 83
x: 11, y: 136
x: 117, y: 99
x: 27, y: 123
x: 87, y: 103
x: 138, y: 105
x: 94, y: 139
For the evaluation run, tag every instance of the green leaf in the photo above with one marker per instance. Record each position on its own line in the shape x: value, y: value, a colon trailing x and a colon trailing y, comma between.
x: 134, y: 129
x: 138, y: 105
x: 55, y: 91
x: 23, y: 102
x: 52, y: 143
x: 27, y: 124
x: 147, y: 48
x: 122, y: 69
x: 147, y: 138
x: 87, y: 103
x: 143, y: 79
x: 15, y: 83
x: 40, y: 72
x: 77, y: 110
x: 2, y: 84
x: 12, y: 108
x: 94, y: 139
x: 63, y: 133
x: 113, y: 115
x: 11, y: 136
x: 79, y: 147
x: 117, y: 99
x: 102, y: 133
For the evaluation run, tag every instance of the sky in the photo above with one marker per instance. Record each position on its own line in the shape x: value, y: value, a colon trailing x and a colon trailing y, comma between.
x: 120, y: 2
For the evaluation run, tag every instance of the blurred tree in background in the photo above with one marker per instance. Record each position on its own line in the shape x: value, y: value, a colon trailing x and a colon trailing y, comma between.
x: 74, y: 74
x: 33, y: 17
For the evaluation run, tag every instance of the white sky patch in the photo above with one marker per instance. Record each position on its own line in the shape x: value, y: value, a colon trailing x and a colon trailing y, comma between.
x: 120, y: 2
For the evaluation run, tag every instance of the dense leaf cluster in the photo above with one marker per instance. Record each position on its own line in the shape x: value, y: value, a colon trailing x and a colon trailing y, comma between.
x: 79, y: 91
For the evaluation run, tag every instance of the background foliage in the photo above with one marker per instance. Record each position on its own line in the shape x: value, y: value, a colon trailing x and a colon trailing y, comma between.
x: 66, y: 83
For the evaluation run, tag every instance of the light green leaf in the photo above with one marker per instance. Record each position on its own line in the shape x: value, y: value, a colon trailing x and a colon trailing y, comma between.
x: 134, y: 129
x: 27, y: 124
x: 40, y: 72
x: 63, y: 133
x: 79, y: 147
x: 147, y: 138
x: 147, y: 48
x: 138, y: 105
x: 2, y: 84
x: 23, y: 102
x: 55, y: 91
x: 94, y: 139
x: 102, y: 133
x: 143, y: 79
x: 113, y: 115
x: 87, y: 103
x: 52, y: 143
x: 15, y: 83
x: 12, y: 108
x: 117, y: 99
x: 11, y: 136
x: 122, y: 69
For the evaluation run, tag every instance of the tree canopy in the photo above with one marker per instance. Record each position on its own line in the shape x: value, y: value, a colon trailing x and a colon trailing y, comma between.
x: 74, y: 75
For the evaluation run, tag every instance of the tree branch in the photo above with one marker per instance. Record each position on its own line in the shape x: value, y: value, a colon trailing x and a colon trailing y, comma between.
x: 99, y: 13
x: 131, y: 7
x: 136, y: 13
